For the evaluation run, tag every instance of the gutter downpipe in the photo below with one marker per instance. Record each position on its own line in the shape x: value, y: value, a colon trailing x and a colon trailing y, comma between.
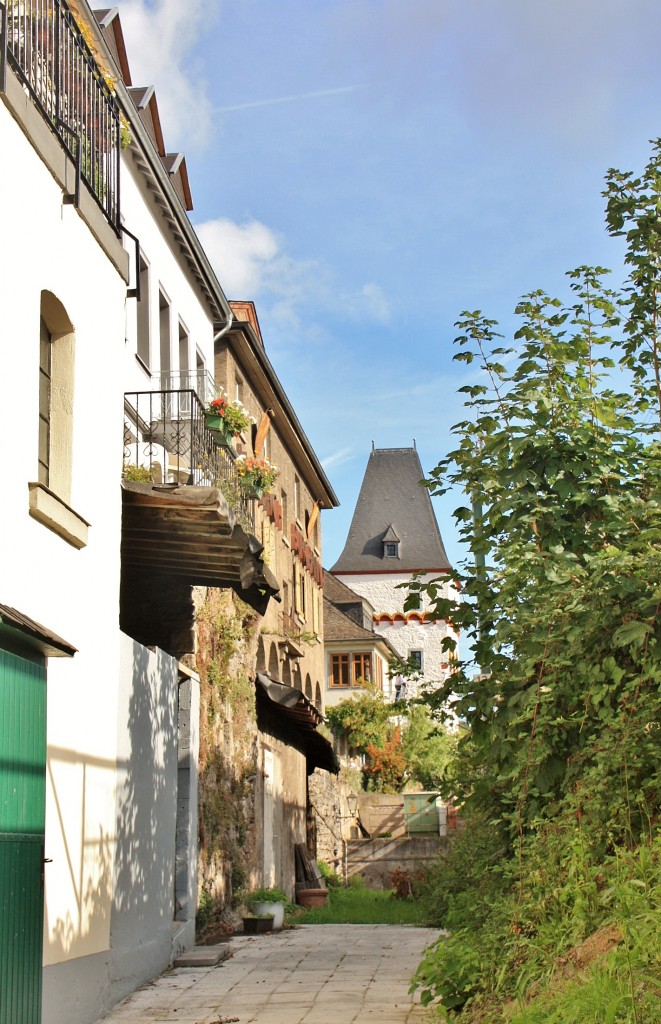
x: 225, y: 329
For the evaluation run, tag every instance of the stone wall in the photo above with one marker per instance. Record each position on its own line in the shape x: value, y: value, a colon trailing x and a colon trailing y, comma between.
x: 329, y: 801
x: 376, y: 859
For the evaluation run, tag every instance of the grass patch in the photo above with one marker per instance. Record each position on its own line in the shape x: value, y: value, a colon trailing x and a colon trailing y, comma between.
x: 359, y: 905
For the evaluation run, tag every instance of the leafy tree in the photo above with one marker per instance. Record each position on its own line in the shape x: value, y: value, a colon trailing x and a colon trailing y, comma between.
x: 365, y: 718
x: 560, y: 764
x: 416, y: 749
x: 563, y: 475
x: 387, y: 766
x: 429, y: 750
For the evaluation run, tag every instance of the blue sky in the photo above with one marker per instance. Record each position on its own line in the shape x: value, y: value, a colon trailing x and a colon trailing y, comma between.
x: 364, y: 170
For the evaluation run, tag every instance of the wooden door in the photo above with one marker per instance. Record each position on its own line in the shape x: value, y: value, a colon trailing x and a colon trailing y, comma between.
x: 22, y: 819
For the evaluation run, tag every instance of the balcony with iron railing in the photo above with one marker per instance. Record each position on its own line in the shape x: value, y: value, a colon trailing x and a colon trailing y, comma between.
x: 199, y: 380
x: 41, y: 41
x: 187, y: 521
x: 167, y: 441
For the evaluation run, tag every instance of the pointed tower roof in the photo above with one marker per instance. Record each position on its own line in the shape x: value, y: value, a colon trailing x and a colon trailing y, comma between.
x: 393, y: 509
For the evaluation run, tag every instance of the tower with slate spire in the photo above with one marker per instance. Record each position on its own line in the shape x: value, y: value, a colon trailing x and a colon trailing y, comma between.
x: 394, y: 535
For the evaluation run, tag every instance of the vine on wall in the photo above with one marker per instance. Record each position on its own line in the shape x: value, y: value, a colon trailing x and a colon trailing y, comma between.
x: 226, y: 657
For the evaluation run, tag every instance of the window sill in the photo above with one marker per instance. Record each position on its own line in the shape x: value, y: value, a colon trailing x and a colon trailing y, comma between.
x: 52, y: 512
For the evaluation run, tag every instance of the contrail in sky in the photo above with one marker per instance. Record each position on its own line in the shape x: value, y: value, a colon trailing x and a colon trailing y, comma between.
x: 289, y: 99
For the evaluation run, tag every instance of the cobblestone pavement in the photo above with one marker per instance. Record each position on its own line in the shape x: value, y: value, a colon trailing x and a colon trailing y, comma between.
x: 316, y: 974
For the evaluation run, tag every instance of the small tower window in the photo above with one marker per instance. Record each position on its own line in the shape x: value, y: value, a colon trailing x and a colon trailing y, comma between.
x: 390, y: 543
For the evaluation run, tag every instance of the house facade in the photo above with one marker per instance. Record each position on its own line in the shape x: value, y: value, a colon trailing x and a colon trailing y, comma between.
x: 289, y: 656
x: 394, y: 536
x: 356, y: 654
x: 120, y: 512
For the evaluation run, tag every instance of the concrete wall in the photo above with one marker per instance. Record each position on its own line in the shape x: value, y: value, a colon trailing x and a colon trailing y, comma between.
x: 143, y: 900
x: 382, y: 812
x: 376, y: 859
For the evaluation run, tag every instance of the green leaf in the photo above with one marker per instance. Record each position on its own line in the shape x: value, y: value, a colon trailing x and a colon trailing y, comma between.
x: 630, y: 633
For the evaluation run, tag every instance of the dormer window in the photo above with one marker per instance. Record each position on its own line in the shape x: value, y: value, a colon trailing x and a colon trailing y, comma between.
x: 390, y: 543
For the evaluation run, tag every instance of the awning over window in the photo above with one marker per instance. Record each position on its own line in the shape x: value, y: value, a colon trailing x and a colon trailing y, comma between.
x: 298, y: 711
x: 23, y: 630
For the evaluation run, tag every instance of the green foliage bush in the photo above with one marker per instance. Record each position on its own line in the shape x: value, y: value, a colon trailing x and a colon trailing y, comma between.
x: 560, y: 763
x: 330, y: 877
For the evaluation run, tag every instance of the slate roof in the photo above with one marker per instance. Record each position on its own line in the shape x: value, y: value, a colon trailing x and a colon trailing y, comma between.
x: 338, y: 592
x: 338, y: 626
x: 392, y: 499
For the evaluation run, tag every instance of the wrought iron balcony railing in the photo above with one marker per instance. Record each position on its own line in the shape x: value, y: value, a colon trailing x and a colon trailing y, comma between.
x: 44, y: 45
x: 199, y: 381
x: 167, y: 440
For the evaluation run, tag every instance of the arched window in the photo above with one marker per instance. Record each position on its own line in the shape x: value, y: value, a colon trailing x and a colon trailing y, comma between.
x: 56, y: 376
x: 50, y: 494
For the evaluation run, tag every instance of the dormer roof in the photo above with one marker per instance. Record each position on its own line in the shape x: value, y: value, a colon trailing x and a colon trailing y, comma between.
x: 392, y: 493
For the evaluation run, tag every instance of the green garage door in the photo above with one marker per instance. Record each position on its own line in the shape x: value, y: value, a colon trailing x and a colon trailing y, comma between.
x: 22, y: 813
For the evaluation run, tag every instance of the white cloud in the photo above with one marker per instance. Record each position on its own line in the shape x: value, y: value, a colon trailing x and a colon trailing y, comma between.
x: 376, y: 301
x: 160, y: 38
x: 241, y: 254
x: 338, y: 457
x: 251, y: 262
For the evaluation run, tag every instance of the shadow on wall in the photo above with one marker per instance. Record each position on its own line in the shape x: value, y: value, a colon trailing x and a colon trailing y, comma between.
x: 143, y: 904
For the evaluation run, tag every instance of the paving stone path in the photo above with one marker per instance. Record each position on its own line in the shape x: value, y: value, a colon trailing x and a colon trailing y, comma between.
x: 316, y: 974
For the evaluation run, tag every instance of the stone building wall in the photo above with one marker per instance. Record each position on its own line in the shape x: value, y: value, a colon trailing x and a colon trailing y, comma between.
x: 302, y: 667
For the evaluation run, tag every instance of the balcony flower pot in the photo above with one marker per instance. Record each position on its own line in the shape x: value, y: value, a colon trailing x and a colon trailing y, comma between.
x: 312, y: 897
x: 219, y: 428
x: 256, y: 475
x: 214, y: 422
x: 254, y: 924
x: 227, y: 419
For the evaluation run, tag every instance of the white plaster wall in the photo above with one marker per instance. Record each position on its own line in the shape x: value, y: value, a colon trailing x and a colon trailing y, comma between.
x: 143, y: 908
x: 383, y: 593
x: 165, y: 270
x: 46, y: 245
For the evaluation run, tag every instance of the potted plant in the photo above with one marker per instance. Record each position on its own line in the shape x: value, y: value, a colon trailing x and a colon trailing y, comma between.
x: 136, y: 474
x: 257, y: 924
x: 227, y: 418
x: 269, y: 902
x: 256, y: 474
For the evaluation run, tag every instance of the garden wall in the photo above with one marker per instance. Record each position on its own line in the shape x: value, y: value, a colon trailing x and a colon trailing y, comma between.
x: 376, y: 859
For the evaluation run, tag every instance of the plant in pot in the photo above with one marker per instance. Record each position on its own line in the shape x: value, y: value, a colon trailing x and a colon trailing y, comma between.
x: 136, y: 474
x: 269, y: 902
x: 229, y: 419
x: 256, y: 474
